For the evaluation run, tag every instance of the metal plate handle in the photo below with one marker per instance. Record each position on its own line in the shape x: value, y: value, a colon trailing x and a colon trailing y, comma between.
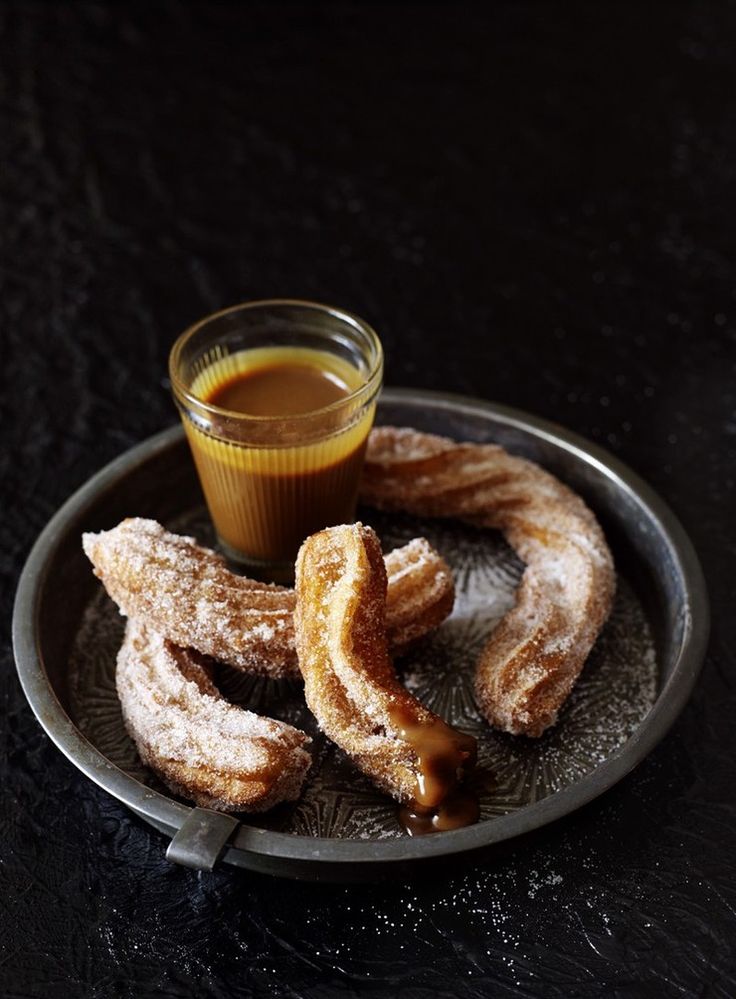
x: 201, y: 839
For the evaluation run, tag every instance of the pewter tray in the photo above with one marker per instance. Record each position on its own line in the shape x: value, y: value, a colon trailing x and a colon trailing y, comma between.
x: 634, y: 684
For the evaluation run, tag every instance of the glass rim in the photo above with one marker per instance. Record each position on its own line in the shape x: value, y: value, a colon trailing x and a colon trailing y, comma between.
x: 184, y: 395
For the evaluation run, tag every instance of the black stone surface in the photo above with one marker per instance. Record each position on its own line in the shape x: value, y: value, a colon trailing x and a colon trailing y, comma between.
x: 531, y: 202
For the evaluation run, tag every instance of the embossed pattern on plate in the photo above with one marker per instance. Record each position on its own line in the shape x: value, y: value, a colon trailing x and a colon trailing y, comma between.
x: 616, y: 690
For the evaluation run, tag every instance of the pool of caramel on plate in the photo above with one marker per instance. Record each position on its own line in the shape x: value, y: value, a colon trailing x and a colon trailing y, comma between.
x: 444, y: 757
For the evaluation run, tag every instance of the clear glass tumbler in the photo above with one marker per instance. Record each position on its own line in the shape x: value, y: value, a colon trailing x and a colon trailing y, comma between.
x: 272, y: 480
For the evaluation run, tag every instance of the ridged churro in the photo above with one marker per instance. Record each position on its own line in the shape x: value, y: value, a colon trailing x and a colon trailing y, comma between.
x: 187, y: 593
x: 349, y: 681
x: 204, y: 748
x: 535, y: 654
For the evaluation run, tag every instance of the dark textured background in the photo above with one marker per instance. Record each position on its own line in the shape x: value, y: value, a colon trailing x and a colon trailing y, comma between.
x: 532, y: 203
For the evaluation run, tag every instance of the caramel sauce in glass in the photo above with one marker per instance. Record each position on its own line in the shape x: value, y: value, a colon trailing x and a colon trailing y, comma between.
x: 267, y: 494
x: 281, y: 389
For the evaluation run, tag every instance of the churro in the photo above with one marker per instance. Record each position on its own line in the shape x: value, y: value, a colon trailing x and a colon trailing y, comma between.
x: 204, y: 748
x: 187, y: 593
x: 349, y: 681
x: 535, y: 654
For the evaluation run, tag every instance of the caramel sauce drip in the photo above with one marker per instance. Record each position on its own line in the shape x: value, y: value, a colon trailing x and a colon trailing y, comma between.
x: 444, y: 757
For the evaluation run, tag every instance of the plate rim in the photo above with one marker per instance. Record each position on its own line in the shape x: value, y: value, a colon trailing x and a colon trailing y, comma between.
x: 250, y: 842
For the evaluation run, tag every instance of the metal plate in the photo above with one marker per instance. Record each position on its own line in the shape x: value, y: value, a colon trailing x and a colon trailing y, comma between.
x: 638, y: 677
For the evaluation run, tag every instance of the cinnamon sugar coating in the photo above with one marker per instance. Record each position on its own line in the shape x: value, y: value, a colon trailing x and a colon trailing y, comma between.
x: 349, y: 681
x: 535, y: 654
x: 187, y: 593
x: 204, y: 748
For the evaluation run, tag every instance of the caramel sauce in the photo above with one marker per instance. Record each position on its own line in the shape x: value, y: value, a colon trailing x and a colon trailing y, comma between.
x: 444, y: 757
x: 283, y: 481
x: 280, y: 389
x: 460, y: 809
x: 266, y: 515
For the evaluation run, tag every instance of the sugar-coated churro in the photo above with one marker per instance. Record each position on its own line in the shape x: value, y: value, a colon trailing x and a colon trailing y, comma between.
x: 535, y: 654
x: 187, y: 593
x: 349, y: 681
x: 204, y: 748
